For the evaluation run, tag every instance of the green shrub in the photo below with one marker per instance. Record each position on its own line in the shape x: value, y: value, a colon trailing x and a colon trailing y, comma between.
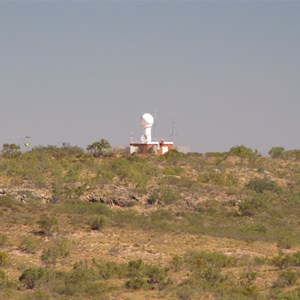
x: 80, y: 275
x: 43, y: 153
x: 249, y: 275
x: 104, y: 176
x: 121, y: 167
x: 38, y: 295
x: 260, y: 185
x: 209, y: 275
x: 260, y: 228
x: 11, y: 151
x: 212, y: 177
x: 97, y: 223
x: 157, y: 276
x: 4, y: 259
x: 3, y: 279
x: 185, y: 292
x: 48, y: 225
x: 217, y: 178
x: 8, y: 201
x: 109, y: 269
x: 210, y: 281
x: 82, y: 208
x: 276, y: 152
x: 250, y: 206
x: 172, y: 171
x: 96, y: 290
x: 172, y: 157
x: 176, y: 263
x: 3, y: 239
x: 232, y: 290
x: 287, y: 260
x: 286, y: 243
x: 168, y: 195
x: 280, y: 294
x: 29, y: 245
x: 241, y: 151
x: 98, y: 148
x: 59, y: 249
x: 292, y: 155
x: 136, y: 283
x: 206, y: 268
x: 153, y: 198
x: 200, y: 259
x: 31, y: 277
x: 287, y: 278
x: 83, y: 280
x: 135, y: 267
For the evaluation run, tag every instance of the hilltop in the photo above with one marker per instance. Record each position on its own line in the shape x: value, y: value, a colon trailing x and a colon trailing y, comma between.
x: 176, y: 226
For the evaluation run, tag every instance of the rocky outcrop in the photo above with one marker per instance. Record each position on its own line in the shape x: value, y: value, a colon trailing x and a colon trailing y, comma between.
x: 118, y: 200
x: 23, y: 194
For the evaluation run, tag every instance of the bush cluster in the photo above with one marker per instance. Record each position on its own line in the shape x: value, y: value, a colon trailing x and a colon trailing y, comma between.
x: 286, y: 278
x: 145, y: 276
x: 4, y: 259
x: 58, y: 250
x: 241, y: 151
x: 87, y: 277
x: 97, y: 223
x: 29, y: 244
x: 260, y: 185
x: 280, y: 152
x: 3, y: 239
x: 48, y: 225
x: 287, y: 260
x: 207, y: 276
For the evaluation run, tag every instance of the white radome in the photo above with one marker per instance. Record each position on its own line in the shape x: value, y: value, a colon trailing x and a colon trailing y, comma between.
x: 147, y: 120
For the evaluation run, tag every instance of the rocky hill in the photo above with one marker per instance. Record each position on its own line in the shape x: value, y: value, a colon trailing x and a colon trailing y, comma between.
x: 177, y: 226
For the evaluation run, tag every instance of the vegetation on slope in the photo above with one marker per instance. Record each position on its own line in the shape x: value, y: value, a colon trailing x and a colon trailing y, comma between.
x: 76, y: 225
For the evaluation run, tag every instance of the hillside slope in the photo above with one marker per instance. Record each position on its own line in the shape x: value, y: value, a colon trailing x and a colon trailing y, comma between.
x: 194, y: 226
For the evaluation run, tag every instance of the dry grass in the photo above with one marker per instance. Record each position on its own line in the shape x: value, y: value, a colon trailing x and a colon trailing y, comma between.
x: 198, y: 180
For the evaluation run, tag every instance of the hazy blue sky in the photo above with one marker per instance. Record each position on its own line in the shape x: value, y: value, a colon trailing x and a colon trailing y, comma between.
x: 226, y: 72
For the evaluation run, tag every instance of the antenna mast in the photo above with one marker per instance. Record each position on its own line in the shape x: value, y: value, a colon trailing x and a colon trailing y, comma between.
x: 154, y: 125
x: 131, y: 136
x: 173, y: 126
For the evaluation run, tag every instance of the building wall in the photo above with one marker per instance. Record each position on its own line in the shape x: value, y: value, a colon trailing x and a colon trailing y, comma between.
x: 145, y: 148
x: 153, y: 148
x: 165, y: 147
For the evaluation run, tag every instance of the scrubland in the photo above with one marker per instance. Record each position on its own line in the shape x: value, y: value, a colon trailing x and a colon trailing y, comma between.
x: 177, y: 226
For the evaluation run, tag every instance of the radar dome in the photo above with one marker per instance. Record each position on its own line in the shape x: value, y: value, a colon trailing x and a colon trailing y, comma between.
x: 147, y: 120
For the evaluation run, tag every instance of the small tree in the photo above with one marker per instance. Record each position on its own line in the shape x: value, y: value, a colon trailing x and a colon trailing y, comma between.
x: 48, y: 225
x: 10, y: 149
x: 276, y: 152
x: 32, y: 276
x: 260, y: 185
x: 241, y: 151
x: 97, y: 223
x: 98, y: 148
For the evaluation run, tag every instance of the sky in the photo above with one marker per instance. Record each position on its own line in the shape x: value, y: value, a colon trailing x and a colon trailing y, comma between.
x: 223, y: 73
